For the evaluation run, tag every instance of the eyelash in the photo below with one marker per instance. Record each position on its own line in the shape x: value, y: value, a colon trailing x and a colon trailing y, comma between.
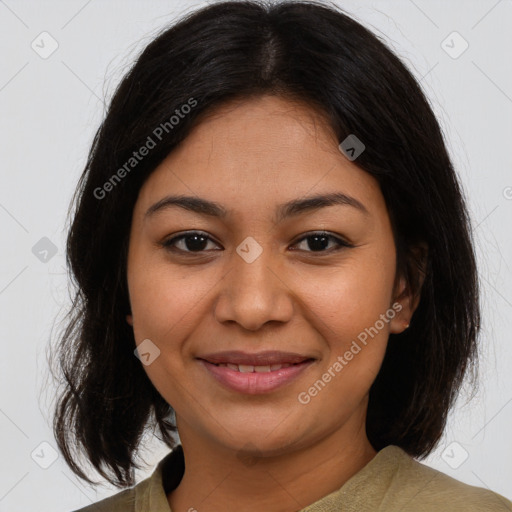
x: 168, y: 244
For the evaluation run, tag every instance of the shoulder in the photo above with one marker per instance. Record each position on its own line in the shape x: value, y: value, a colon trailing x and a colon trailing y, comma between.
x: 425, y: 489
x: 149, y: 494
x: 123, y: 501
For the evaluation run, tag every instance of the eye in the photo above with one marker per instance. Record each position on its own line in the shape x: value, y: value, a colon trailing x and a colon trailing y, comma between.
x: 319, y: 241
x: 197, y: 242
x: 191, y: 242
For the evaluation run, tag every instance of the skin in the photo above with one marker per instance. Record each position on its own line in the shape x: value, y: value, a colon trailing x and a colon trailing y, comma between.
x: 268, y: 451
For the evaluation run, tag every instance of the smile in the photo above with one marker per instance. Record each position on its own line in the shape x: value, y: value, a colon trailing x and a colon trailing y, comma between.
x: 254, y: 380
x: 248, y: 368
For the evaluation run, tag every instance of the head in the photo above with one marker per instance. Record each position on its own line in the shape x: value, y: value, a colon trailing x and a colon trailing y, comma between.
x: 298, y: 247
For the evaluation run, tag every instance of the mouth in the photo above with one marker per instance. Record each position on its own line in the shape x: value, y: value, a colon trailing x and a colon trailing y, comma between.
x: 248, y: 368
x: 258, y: 359
x: 255, y: 373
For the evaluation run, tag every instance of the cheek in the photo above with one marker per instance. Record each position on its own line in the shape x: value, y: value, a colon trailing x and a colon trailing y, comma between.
x: 351, y: 297
x: 351, y: 308
x: 164, y: 300
x: 163, y: 305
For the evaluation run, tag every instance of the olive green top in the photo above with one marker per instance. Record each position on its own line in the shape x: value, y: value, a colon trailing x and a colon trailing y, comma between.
x: 391, y: 482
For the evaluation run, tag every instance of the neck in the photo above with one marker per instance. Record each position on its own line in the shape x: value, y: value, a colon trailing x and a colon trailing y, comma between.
x: 216, y: 475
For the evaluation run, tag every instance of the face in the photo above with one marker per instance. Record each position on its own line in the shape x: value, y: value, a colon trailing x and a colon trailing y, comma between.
x: 264, y: 269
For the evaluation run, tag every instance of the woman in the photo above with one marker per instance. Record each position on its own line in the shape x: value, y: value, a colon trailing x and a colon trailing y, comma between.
x: 274, y: 267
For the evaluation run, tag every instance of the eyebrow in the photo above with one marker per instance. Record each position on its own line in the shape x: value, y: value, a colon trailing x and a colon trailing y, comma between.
x: 289, y: 209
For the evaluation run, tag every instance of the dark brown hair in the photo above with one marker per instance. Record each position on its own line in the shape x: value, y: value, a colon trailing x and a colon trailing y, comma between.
x: 301, y: 50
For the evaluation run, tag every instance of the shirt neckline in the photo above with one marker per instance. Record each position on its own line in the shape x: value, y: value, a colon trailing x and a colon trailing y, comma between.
x: 170, y: 470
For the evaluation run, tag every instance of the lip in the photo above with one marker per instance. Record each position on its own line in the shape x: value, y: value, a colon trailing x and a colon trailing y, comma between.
x: 255, y: 383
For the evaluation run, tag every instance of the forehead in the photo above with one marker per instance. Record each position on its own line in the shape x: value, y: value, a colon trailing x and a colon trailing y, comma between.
x: 270, y: 123
x: 258, y: 151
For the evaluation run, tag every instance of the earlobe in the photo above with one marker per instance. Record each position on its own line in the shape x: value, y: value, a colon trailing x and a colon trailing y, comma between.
x: 406, y: 295
x: 129, y: 319
x: 403, y: 306
x: 402, y: 319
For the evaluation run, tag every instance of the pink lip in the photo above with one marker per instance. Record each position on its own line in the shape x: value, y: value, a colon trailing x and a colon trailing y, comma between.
x: 255, y: 383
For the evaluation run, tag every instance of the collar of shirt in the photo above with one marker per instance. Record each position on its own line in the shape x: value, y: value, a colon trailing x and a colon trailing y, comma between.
x: 391, y: 481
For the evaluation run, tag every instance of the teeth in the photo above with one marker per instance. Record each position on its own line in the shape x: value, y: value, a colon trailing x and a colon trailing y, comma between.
x: 276, y: 367
x: 248, y: 368
x: 262, y: 369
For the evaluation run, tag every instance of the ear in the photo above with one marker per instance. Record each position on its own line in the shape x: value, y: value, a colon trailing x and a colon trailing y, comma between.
x: 407, y: 290
x: 129, y: 319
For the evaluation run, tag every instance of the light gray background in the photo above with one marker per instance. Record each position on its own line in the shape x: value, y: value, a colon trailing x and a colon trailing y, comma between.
x: 50, y: 109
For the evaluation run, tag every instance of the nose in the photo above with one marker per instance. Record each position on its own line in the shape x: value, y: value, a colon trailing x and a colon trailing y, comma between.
x: 252, y: 294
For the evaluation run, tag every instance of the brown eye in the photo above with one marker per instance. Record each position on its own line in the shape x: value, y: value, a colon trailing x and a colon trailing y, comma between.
x: 318, y: 242
x: 192, y: 242
x: 197, y: 242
